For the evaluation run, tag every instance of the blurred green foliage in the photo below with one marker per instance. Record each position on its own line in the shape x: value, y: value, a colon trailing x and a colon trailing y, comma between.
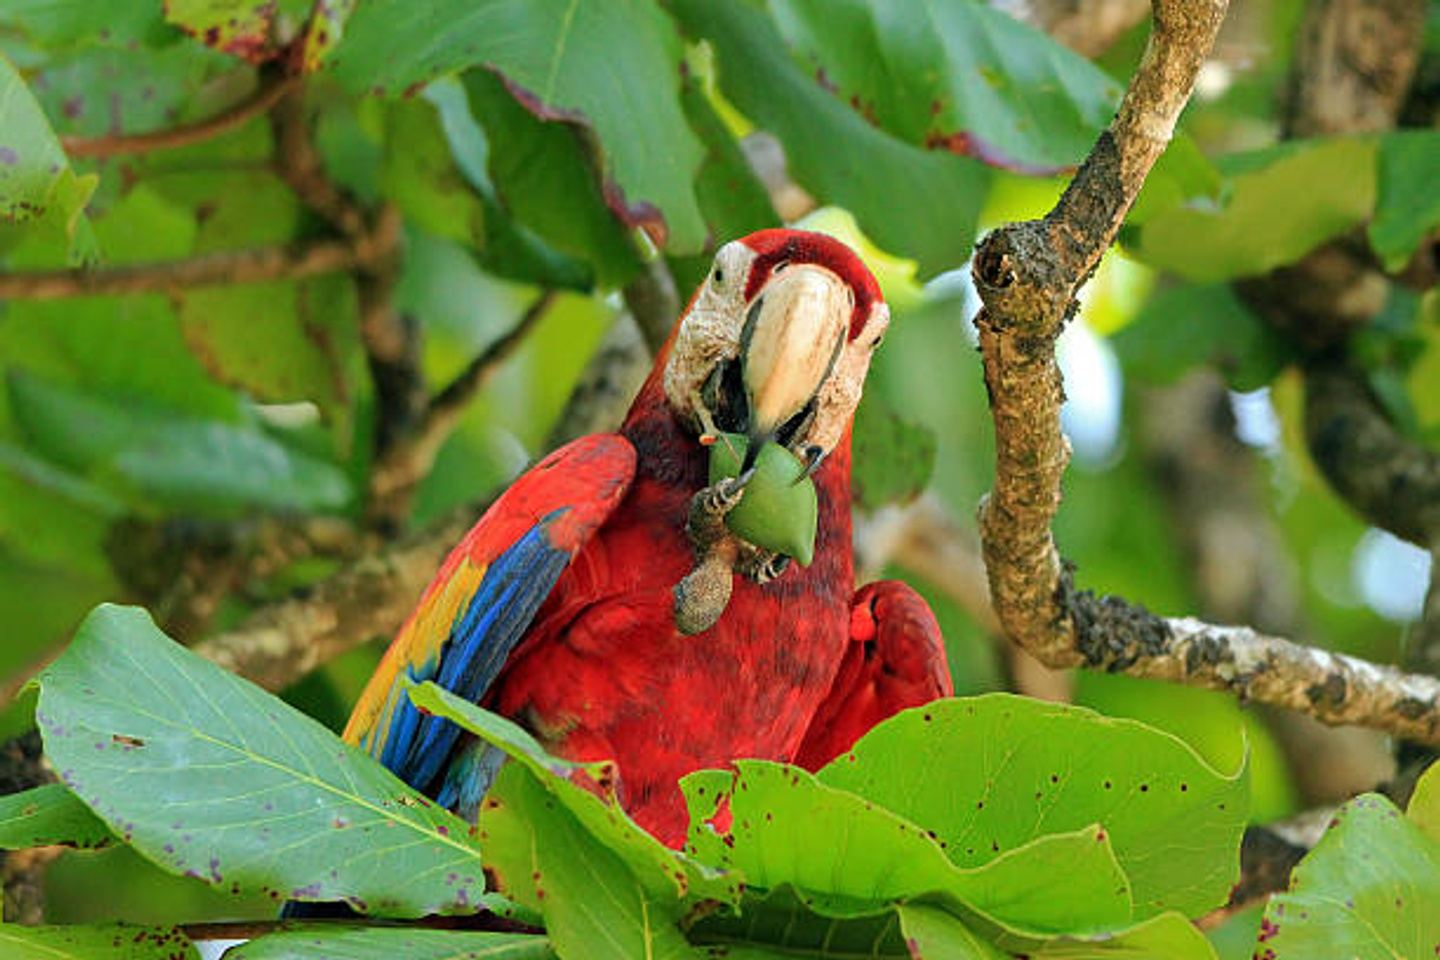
x: 535, y: 146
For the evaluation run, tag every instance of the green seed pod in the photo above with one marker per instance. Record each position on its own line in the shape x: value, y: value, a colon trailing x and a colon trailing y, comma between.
x: 779, y: 509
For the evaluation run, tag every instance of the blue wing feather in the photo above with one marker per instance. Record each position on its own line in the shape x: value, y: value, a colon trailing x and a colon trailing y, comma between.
x: 418, y: 747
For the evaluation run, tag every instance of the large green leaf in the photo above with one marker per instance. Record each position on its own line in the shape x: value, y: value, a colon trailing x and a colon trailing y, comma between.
x: 1407, y: 205
x: 960, y: 76
x: 59, y: 24
x: 506, y: 247
x: 913, y: 202
x: 38, y: 189
x: 544, y: 180
x: 781, y: 921
x: 586, y: 792
x: 990, y: 774
x: 49, y: 815
x: 734, y: 201
x: 1183, y: 326
x: 846, y: 855
x: 1369, y: 890
x: 1424, y: 808
x: 211, y: 777
x: 564, y: 57
x: 108, y: 942
x: 172, y: 460
x: 595, y: 906
x: 380, y: 944
x: 1278, y: 205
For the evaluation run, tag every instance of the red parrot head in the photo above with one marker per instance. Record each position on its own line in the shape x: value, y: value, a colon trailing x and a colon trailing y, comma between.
x: 777, y: 341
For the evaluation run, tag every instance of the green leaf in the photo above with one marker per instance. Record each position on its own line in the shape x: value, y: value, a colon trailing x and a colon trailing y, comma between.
x: 323, y: 32
x: 1168, y: 935
x: 958, y: 76
x: 105, y: 942
x: 579, y: 788
x: 1369, y: 889
x: 1278, y: 205
x: 782, y: 830
x: 780, y: 923
x: 544, y: 181
x: 1185, y: 326
x: 595, y: 907
x: 1424, y: 808
x: 329, y: 943
x: 38, y: 190
x: 562, y: 57
x: 1407, y: 205
x: 893, y: 457
x: 932, y: 932
x: 734, y: 202
x: 1033, y: 769
x: 211, y: 777
x: 175, y: 461
x: 892, y: 188
x: 49, y: 815
x: 59, y: 24
x: 241, y: 28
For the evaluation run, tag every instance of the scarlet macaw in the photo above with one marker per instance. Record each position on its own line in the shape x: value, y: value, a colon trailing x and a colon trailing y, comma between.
x: 558, y: 609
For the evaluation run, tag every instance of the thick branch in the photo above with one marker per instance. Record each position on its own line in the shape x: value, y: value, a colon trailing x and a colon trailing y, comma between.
x: 228, y: 267
x: 265, y: 96
x: 1390, y: 480
x: 1118, y: 637
x: 369, y: 598
x: 1027, y: 275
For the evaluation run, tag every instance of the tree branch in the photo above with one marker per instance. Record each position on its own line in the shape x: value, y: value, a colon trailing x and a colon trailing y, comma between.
x: 1027, y: 276
x: 227, y: 267
x: 409, y: 459
x: 368, y: 598
x: 266, y: 95
x: 653, y: 302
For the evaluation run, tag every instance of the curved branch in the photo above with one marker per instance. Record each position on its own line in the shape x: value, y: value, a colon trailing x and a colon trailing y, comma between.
x: 1390, y: 480
x: 227, y: 267
x: 110, y: 145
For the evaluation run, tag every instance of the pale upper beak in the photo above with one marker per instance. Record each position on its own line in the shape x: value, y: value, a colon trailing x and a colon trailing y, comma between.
x: 794, y: 331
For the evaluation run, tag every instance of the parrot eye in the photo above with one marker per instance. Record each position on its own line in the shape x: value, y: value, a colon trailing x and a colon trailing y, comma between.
x: 718, y: 276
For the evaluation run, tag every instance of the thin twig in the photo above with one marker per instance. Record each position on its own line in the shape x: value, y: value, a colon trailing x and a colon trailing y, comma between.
x: 110, y: 145
x: 227, y: 267
x: 408, y: 459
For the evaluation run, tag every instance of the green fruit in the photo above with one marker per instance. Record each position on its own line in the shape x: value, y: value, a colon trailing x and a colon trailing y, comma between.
x: 779, y: 510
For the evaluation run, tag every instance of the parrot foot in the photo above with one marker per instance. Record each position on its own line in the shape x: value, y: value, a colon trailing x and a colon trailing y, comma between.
x: 761, y: 565
x: 706, y: 522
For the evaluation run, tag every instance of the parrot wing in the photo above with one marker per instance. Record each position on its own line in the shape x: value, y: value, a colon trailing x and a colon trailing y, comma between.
x: 481, y: 603
x: 895, y: 660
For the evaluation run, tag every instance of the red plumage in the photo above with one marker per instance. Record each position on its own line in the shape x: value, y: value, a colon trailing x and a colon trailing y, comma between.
x: 794, y: 670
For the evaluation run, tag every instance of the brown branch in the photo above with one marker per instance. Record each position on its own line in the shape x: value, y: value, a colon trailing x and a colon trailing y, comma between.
x: 1027, y: 275
x: 266, y: 95
x: 367, y: 599
x: 1390, y: 480
x: 408, y: 460
x: 299, y: 164
x: 227, y: 267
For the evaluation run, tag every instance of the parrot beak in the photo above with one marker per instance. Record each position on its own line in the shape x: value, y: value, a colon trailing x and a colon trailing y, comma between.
x: 793, y: 334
